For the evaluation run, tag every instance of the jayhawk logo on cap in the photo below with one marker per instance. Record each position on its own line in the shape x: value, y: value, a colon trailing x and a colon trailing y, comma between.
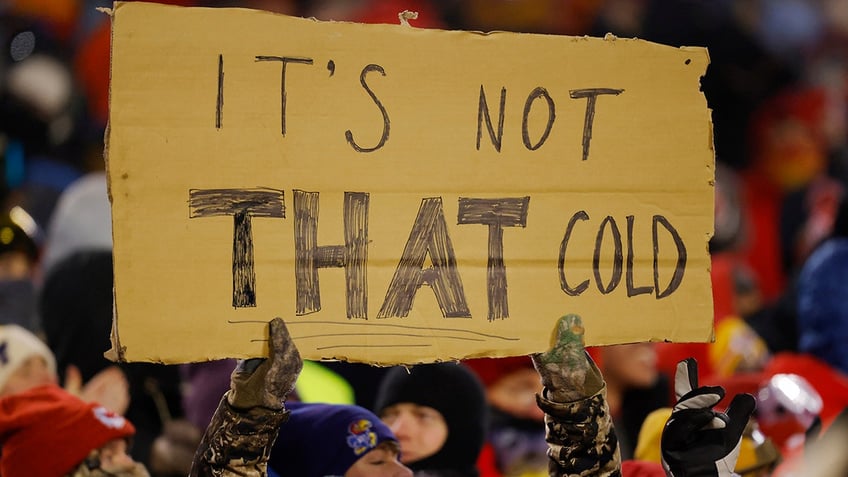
x: 360, y: 437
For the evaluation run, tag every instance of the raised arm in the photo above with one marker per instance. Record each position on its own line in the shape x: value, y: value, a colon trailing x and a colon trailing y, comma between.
x: 578, y: 426
x: 239, y: 438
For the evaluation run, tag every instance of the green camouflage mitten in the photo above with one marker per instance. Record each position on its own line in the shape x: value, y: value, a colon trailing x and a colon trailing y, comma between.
x: 567, y: 371
x: 265, y: 382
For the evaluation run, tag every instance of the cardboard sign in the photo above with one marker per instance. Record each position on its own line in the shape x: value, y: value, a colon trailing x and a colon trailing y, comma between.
x: 400, y: 195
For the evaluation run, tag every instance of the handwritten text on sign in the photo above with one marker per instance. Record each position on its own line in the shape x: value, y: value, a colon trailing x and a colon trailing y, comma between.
x: 400, y: 195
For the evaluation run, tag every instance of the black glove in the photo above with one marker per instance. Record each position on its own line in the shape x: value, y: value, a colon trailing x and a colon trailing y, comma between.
x: 698, y: 441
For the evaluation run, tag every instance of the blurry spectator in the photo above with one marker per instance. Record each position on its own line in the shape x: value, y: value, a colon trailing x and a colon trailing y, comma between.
x: 634, y: 388
x: 42, y: 115
x: 18, y: 261
x: 76, y: 308
x: 81, y: 221
x: 829, y: 383
x: 786, y: 407
x: 26, y: 362
x: 736, y: 349
x: 807, y: 218
x: 516, y: 430
x: 46, y: 431
x: 822, y: 288
x: 824, y: 453
x: 334, y: 439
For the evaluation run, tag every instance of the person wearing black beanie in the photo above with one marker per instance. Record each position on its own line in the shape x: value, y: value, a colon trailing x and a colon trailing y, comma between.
x: 406, y: 401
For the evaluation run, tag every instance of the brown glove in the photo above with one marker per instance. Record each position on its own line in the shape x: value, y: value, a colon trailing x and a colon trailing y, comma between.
x: 567, y: 371
x: 266, y: 382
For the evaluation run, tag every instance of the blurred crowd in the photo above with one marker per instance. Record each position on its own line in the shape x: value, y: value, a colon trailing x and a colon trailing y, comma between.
x: 777, y: 85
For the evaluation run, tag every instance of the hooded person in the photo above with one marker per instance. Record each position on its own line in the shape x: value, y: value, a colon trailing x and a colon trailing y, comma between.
x: 321, y: 440
x: 46, y: 431
x: 438, y: 413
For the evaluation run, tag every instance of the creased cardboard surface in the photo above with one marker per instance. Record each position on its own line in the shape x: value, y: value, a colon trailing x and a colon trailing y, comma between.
x: 367, y: 184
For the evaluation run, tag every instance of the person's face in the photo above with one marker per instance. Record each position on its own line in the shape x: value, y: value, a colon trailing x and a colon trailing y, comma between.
x: 15, y: 266
x: 33, y: 372
x: 421, y: 430
x: 382, y: 461
x: 630, y: 365
x: 515, y: 394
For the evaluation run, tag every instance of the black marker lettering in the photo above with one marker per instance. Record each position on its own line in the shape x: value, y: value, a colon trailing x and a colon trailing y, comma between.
x: 679, y: 269
x: 429, y: 235
x: 525, y: 133
x: 483, y: 114
x: 617, y: 256
x: 242, y: 204
x: 497, y: 214
x: 633, y: 290
x: 309, y: 257
x: 386, y: 122
x: 591, y: 96
x: 219, y: 104
x: 285, y: 60
x: 576, y: 291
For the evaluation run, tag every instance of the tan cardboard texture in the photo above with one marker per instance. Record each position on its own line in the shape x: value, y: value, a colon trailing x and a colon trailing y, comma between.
x: 400, y: 195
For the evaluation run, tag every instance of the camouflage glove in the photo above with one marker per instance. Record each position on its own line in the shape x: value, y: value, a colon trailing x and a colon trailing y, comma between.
x: 698, y: 441
x: 261, y: 382
x: 567, y: 371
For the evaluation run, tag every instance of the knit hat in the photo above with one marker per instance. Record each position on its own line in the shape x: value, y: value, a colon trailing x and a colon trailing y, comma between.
x: 48, y: 432
x: 16, y: 346
x: 320, y: 440
x: 82, y: 220
x: 454, y: 391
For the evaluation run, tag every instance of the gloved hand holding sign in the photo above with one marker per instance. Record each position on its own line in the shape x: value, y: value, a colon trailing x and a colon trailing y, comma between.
x: 265, y: 382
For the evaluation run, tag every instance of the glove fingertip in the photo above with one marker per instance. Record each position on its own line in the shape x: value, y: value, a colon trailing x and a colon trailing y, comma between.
x: 276, y: 326
x: 741, y: 407
x: 685, y: 377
